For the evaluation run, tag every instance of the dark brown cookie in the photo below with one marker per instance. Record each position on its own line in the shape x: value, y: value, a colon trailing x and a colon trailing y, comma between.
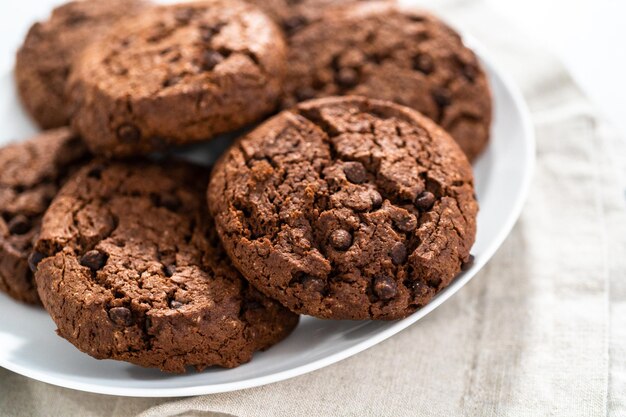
x: 293, y: 16
x: 177, y: 74
x: 132, y: 269
x: 346, y: 208
x: 30, y: 177
x: 45, y: 59
x: 383, y: 52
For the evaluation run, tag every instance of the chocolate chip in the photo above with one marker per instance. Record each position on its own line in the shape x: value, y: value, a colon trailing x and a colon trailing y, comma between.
x: 34, y: 259
x: 378, y: 57
x: 128, y: 133
x: 442, y: 97
x: 170, y: 202
x: 423, y: 63
x: 226, y: 52
x: 96, y: 172
x: 416, y: 18
x: 425, y: 200
x: 121, y: 316
x: 312, y: 284
x: 210, y: 59
x: 468, y: 264
x: 169, y: 270
x: 94, y: 260
x: 175, y: 304
x: 406, y: 223
x: 470, y: 72
x: 377, y: 200
x: 385, y: 288
x: 341, y: 239
x: 355, y: 172
x: 171, y: 81
x: 19, y: 225
x: 293, y: 24
x: 398, y: 254
x: 347, y: 77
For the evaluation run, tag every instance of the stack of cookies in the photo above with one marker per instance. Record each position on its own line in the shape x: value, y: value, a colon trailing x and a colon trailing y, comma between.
x: 351, y: 195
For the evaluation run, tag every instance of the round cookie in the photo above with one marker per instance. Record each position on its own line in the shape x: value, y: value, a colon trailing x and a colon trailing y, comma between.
x: 31, y: 174
x: 383, y: 52
x: 45, y: 59
x: 177, y: 74
x: 346, y: 208
x: 132, y: 269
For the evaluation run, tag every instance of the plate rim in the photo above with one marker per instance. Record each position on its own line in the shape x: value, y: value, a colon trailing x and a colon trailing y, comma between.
x: 530, y: 160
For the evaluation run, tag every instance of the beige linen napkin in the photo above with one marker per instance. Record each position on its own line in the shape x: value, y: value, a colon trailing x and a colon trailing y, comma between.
x: 541, y: 331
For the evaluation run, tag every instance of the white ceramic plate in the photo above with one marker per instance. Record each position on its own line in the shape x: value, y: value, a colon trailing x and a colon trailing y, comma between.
x: 29, y: 345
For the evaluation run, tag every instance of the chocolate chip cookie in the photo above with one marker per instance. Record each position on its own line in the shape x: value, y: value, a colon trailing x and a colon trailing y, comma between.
x: 383, y: 52
x: 346, y: 208
x: 30, y: 177
x: 177, y: 74
x: 294, y: 15
x: 132, y: 269
x: 45, y: 59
